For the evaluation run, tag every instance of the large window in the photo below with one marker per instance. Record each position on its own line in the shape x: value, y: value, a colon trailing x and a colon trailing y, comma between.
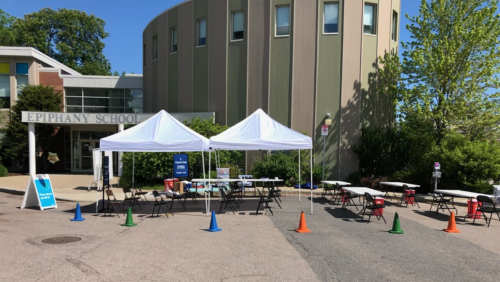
x: 4, y: 85
x: 202, y: 32
x: 331, y: 18
x: 155, y: 47
x: 21, y: 76
x: 174, y: 40
x: 394, y: 26
x: 283, y: 21
x: 370, y: 19
x: 238, y: 26
x: 95, y: 100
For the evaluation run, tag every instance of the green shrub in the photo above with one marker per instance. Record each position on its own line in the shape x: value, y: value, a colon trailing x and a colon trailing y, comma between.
x: 465, y: 164
x: 372, y: 182
x: 284, y: 165
x: 3, y: 171
x: 382, y: 151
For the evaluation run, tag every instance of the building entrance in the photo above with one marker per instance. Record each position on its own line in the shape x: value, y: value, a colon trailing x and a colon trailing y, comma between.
x: 86, y: 147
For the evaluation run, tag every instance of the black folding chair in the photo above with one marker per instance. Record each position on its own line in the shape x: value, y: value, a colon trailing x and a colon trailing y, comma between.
x: 328, y: 190
x: 159, y: 202
x: 265, y: 203
x: 180, y: 198
x: 374, y: 208
x: 407, y: 196
x: 486, y: 205
x: 274, y: 193
x: 141, y: 194
x: 226, y: 200
x: 113, y: 202
x: 190, y: 194
x: 346, y: 198
x: 441, y: 203
x: 237, y: 192
x: 130, y: 198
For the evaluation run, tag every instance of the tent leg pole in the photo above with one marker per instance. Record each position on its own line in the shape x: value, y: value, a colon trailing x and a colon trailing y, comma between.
x: 312, y: 182
x: 133, y: 165
x: 207, y: 201
x: 299, y: 175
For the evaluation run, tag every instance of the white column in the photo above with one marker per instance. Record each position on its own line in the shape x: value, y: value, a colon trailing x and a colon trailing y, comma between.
x: 120, y: 165
x: 32, y: 148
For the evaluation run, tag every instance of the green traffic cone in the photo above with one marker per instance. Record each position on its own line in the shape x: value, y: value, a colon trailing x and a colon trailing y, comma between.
x: 130, y: 221
x: 396, y: 227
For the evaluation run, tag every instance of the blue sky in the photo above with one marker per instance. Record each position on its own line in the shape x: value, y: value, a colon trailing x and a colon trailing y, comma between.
x: 126, y: 19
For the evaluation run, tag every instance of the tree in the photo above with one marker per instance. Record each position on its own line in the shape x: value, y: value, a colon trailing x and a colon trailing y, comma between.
x: 38, y: 98
x: 72, y: 37
x: 451, y: 68
x: 7, y: 37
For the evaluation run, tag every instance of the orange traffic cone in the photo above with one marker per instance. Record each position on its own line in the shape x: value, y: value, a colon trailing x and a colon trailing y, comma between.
x: 452, y: 227
x: 302, y: 225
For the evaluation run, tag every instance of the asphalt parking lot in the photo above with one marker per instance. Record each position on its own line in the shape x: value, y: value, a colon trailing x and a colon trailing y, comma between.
x: 249, y: 248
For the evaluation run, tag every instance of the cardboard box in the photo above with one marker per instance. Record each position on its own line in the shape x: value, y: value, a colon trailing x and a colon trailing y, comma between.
x: 179, y: 187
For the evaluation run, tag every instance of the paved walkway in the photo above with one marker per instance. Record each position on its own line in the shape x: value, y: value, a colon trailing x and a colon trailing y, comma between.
x: 74, y: 187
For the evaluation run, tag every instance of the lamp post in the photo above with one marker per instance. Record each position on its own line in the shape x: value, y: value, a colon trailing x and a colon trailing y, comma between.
x: 324, y: 132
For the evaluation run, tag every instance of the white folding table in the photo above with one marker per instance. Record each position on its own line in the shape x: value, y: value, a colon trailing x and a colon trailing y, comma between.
x: 332, y: 182
x: 360, y: 191
x: 397, y: 184
x: 460, y: 194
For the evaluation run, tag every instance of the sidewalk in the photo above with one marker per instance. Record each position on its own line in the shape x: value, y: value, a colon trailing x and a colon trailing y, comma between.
x: 74, y: 187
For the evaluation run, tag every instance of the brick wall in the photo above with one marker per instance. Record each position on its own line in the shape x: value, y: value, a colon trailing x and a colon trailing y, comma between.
x: 52, y: 79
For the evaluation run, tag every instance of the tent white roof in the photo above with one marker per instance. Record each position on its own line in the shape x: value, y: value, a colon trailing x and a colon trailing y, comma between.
x: 260, y: 132
x: 160, y: 133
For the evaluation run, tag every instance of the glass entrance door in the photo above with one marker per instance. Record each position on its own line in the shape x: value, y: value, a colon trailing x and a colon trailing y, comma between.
x: 86, y: 147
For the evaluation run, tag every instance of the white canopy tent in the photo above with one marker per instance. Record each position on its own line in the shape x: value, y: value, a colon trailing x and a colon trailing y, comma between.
x: 260, y: 132
x: 160, y: 133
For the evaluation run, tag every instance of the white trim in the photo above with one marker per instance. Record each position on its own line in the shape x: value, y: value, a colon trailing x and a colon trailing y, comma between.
x: 338, y: 13
x: 32, y: 52
x: 276, y: 20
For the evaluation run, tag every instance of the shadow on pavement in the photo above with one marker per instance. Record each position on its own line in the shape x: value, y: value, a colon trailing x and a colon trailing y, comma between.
x: 434, y: 215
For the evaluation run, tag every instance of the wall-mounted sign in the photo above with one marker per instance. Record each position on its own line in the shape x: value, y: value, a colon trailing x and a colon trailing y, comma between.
x: 181, y: 165
x: 83, y: 118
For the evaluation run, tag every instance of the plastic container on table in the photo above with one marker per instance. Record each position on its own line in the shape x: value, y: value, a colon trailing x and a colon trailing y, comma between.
x: 379, y: 201
x: 472, y: 209
x: 169, y: 184
x: 410, y: 201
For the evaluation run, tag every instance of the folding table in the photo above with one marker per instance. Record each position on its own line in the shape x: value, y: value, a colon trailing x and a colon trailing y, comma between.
x: 332, y: 182
x: 460, y: 194
x: 360, y: 191
x: 396, y: 184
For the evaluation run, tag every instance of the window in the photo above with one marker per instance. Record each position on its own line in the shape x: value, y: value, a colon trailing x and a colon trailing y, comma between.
x: 144, y: 56
x: 174, y: 40
x: 21, y: 76
x: 238, y: 26
x: 370, y: 19
x: 4, y: 85
x: 331, y: 18
x: 283, y: 21
x: 202, y: 32
x: 155, y: 48
x: 103, y: 100
x: 394, y: 26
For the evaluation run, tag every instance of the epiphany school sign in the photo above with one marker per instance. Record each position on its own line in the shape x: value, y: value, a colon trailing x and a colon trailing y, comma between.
x: 85, y: 118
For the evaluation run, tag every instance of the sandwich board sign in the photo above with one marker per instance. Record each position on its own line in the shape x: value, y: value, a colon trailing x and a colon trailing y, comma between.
x: 39, y: 193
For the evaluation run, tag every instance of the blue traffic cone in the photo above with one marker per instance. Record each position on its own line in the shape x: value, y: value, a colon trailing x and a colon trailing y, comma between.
x: 78, y: 214
x: 213, y: 224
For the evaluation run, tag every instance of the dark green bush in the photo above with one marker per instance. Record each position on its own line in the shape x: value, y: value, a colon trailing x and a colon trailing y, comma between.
x: 354, y: 178
x: 3, y: 171
x: 382, y: 151
x: 284, y: 165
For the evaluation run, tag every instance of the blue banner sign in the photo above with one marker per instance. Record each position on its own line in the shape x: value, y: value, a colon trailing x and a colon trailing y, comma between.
x: 181, y: 165
x: 105, y: 181
x: 45, y: 193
